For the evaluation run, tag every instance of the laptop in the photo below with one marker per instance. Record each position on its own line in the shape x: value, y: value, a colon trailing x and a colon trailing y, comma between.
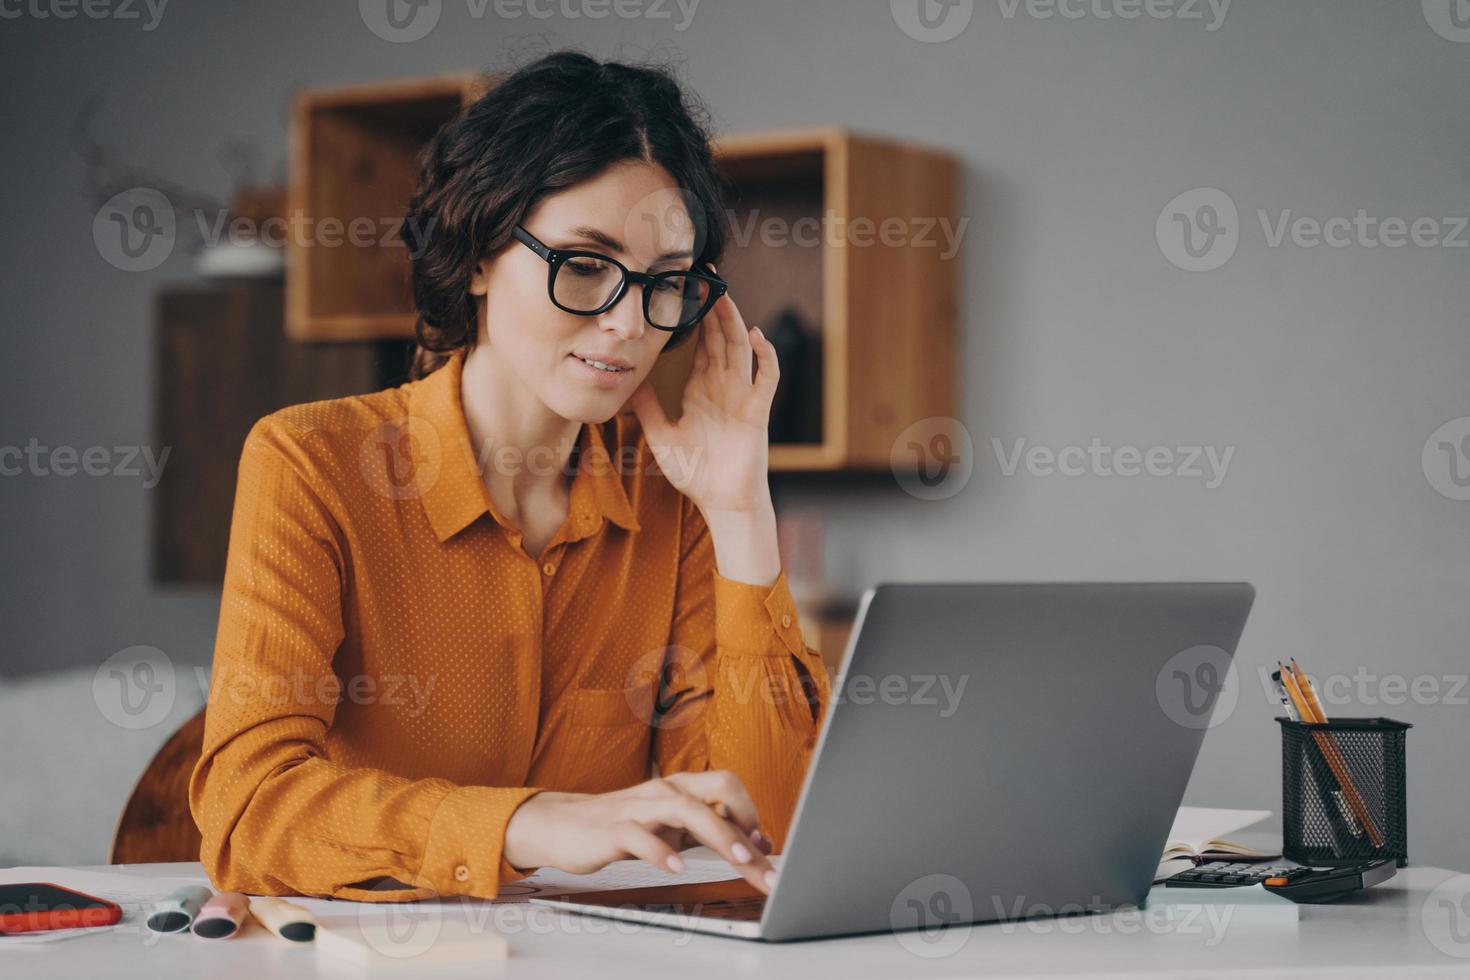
x: 992, y: 752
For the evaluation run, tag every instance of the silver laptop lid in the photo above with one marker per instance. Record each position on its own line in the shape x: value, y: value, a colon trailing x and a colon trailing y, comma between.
x: 997, y: 750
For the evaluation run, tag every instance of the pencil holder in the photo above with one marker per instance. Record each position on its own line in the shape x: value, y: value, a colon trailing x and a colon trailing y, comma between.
x: 1342, y: 791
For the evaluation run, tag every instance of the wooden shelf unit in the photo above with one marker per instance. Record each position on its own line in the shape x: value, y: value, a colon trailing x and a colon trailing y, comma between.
x: 885, y: 315
x: 887, y: 312
x: 221, y: 362
x: 354, y: 157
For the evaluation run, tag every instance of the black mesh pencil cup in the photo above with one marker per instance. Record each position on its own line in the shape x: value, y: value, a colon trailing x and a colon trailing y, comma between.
x: 1342, y: 791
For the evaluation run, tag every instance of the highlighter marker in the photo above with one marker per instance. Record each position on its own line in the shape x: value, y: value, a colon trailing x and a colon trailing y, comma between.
x: 286, y: 919
x: 175, y: 911
x: 222, y: 916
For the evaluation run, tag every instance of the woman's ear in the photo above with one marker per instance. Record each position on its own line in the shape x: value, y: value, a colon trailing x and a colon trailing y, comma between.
x: 480, y: 278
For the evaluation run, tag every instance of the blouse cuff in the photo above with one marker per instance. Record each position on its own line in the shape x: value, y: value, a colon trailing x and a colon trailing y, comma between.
x: 465, y: 849
x: 756, y: 620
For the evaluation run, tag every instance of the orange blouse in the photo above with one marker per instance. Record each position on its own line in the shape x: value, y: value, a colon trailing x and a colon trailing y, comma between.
x: 394, y: 674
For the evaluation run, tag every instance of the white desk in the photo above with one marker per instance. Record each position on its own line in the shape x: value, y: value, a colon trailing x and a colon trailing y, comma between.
x: 1417, y: 924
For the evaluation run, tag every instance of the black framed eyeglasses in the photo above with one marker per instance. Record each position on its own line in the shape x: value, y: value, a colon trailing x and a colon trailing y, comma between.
x: 590, y: 283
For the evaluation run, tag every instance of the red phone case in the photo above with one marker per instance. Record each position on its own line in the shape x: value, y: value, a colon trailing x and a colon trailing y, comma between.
x: 103, y: 913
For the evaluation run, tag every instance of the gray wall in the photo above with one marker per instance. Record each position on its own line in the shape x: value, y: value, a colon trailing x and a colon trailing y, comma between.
x: 1325, y: 369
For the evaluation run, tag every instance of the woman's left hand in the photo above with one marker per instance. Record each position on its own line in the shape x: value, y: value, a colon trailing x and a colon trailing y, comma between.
x: 718, y: 451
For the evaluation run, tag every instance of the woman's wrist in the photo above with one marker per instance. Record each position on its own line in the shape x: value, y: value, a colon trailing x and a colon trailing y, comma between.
x: 745, y: 542
x: 525, y: 845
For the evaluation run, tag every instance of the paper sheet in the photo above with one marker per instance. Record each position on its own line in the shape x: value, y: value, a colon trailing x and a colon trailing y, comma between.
x: 703, y: 865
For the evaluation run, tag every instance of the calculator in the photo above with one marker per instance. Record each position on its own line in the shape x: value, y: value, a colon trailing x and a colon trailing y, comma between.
x: 1227, y: 874
x: 1299, y: 884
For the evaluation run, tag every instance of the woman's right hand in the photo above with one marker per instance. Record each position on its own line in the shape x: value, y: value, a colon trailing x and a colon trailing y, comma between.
x: 582, y: 832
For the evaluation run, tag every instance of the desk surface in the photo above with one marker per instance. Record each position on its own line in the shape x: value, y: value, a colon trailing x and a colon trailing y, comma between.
x: 1417, y: 924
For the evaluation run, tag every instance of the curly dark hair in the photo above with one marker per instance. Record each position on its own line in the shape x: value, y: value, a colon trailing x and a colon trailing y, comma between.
x: 557, y: 121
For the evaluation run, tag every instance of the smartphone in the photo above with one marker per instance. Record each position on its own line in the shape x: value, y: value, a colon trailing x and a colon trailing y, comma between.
x: 37, y: 905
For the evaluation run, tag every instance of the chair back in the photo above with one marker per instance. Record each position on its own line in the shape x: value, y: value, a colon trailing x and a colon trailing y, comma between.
x: 156, y: 824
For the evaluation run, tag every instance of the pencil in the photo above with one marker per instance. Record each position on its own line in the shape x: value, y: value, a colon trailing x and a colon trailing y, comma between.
x: 1308, y: 691
x: 1310, y: 708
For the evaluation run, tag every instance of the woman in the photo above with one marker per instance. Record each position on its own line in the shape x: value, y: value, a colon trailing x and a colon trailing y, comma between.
x: 463, y: 617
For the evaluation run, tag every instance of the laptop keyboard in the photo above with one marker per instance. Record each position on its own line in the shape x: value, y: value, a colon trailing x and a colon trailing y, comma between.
x: 746, y: 909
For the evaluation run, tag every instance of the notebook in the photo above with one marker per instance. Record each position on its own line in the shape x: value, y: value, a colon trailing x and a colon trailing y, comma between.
x: 1199, y: 834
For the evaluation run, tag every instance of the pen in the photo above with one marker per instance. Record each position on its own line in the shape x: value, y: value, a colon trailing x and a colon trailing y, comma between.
x: 1286, y: 704
x: 1303, y: 712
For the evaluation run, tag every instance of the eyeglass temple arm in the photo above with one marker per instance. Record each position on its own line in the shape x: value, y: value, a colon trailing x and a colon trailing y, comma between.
x: 530, y: 241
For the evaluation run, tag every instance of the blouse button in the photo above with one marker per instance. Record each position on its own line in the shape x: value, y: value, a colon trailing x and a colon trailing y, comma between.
x: 786, y: 620
x: 549, y: 568
x: 461, y: 873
